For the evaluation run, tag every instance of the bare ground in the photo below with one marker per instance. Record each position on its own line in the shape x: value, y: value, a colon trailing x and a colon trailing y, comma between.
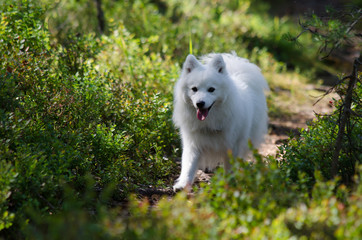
x: 281, y: 127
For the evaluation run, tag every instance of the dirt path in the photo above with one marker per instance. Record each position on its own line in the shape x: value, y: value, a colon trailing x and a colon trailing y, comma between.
x: 280, y: 128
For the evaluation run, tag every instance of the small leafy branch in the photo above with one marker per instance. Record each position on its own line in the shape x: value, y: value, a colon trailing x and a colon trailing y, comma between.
x: 333, y: 32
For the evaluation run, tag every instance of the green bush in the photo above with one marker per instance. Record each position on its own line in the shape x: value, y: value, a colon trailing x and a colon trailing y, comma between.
x: 62, y: 119
x: 255, y: 201
x: 214, y: 27
x: 314, y: 148
x: 252, y: 195
x: 7, y: 176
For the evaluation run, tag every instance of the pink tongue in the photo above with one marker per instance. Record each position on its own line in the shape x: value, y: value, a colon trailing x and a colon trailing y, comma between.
x: 202, y: 114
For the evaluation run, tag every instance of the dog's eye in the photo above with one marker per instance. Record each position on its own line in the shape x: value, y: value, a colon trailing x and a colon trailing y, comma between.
x: 211, y: 89
x: 194, y: 89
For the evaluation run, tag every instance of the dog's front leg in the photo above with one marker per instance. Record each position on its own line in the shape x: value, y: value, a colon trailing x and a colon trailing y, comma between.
x: 189, y: 165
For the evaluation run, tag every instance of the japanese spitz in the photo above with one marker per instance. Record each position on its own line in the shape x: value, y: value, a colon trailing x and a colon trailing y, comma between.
x: 219, y: 105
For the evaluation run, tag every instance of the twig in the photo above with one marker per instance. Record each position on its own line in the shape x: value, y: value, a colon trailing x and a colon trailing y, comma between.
x: 47, y: 202
x: 337, y: 43
x: 331, y: 89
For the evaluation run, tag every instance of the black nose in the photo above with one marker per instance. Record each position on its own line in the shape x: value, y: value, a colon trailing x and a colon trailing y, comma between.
x: 200, y: 104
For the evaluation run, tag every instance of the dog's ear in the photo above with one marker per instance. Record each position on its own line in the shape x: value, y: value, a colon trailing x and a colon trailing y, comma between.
x: 218, y: 63
x: 190, y: 63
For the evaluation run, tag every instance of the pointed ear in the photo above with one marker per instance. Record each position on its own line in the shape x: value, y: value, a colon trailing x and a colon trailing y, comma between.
x: 218, y: 63
x: 190, y: 63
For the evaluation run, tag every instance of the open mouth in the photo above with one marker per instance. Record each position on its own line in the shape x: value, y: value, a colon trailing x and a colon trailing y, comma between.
x: 203, y: 112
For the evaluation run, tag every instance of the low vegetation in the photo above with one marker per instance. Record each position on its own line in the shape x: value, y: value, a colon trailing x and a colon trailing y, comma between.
x: 85, y: 121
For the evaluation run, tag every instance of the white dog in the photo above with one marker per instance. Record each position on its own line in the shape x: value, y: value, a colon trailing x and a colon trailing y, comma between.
x: 219, y: 105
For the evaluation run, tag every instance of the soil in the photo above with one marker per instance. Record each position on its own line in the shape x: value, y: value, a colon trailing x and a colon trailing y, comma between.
x: 281, y: 128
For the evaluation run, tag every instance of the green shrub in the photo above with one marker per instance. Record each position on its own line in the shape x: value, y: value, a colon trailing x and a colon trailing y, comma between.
x: 252, y: 195
x: 314, y: 148
x: 253, y: 202
x: 214, y: 27
x: 7, y: 176
x: 62, y: 119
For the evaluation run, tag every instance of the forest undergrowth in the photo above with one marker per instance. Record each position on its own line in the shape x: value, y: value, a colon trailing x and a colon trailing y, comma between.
x: 88, y: 149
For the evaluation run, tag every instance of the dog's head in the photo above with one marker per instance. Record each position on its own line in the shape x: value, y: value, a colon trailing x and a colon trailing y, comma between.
x: 203, y: 84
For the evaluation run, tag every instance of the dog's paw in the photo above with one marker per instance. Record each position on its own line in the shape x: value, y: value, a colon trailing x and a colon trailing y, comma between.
x: 179, y: 185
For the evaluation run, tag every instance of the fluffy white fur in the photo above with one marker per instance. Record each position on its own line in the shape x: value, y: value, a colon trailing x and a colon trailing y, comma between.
x: 219, y: 105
